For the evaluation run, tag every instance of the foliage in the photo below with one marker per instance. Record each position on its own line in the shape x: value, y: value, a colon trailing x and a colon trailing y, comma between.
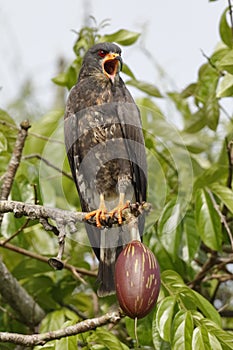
x: 190, y: 170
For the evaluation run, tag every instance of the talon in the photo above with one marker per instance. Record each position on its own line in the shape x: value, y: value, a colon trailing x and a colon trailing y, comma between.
x: 118, y: 210
x: 98, y: 213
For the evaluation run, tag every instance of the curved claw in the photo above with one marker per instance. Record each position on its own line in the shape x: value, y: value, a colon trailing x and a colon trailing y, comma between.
x: 99, y: 215
x: 118, y: 210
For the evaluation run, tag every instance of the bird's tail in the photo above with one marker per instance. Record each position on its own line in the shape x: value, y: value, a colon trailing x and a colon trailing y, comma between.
x: 106, y: 271
x: 109, y: 254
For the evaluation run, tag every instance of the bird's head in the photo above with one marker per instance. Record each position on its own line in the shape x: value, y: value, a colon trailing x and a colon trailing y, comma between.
x: 104, y: 58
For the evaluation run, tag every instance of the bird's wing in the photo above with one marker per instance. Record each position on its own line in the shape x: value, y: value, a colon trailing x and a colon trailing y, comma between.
x: 129, y: 117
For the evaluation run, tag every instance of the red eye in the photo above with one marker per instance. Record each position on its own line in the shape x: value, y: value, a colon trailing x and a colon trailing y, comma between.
x: 102, y: 53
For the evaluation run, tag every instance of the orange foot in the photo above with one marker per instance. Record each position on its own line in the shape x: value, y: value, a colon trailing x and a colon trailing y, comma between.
x: 118, y: 210
x: 98, y: 213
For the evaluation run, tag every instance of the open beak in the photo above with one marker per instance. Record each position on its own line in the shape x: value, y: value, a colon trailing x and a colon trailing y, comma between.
x: 112, y: 64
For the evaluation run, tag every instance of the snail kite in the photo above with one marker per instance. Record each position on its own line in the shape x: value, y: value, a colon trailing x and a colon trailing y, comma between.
x: 106, y: 152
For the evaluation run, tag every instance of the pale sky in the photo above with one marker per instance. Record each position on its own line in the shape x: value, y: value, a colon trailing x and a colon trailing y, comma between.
x: 35, y: 33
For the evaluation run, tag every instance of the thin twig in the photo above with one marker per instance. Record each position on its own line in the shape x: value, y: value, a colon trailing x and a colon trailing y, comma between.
x: 42, y: 137
x: 221, y: 73
x: 205, y: 268
x: 15, y: 160
x: 17, y: 232
x: 45, y: 138
x: 222, y: 217
x: 9, y: 176
x: 219, y: 277
x: 38, y: 156
x: 43, y: 338
x: 42, y: 258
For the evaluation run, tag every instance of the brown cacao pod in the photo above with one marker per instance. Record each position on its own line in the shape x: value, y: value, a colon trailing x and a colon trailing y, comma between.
x: 137, y: 279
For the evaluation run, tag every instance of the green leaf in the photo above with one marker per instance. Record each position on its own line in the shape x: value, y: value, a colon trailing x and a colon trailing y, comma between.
x: 225, y: 88
x: 182, y: 330
x: 68, y: 343
x: 172, y: 279
x: 208, y: 78
x: 207, y: 309
x: 205, y: 94
x: 126, y: 70
x: 143, y: 329
x: 110, y: 341
x: 181, y: 104
x: 69, y: 78
x: 207, y: 220
x: 224, y: 193
x: 164, y: 316
x: 195, y: 143
x: 224, y: 337
x: 226, y: 63
x: 145, y: 87
x: 158, y: 342
x: 53, y: 321
x: 150, y: 112
x: 122, y: 37
x: 45, y: 126
x: 200, y: 339
x: 169, y: 230
x: 225, y: 30
x: 190, y: 237
x: 196, y: 122
x: 29, y: 267
x: 209, y: 176
x: 3, y: 142
x: 214, y: 343
x: 189, y: 90
x: 212, y: 112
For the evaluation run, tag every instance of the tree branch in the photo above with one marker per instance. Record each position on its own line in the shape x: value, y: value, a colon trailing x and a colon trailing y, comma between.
x: 64, y: 218
x: 15, y: 160
x: 30, y: 313
x: 38, y: 156
x: 205, y: 268
x: 43, y: 338
x: 34, y: 211
x: 75, y: 270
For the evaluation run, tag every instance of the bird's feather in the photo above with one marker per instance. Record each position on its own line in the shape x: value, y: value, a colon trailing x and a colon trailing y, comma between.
x: 104, y: 143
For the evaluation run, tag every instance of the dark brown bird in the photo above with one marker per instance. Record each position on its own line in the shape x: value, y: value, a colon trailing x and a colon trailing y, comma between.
x: 106, y: 152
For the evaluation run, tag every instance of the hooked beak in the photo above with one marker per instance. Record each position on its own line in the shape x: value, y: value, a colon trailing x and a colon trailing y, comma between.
x: 112, y: 64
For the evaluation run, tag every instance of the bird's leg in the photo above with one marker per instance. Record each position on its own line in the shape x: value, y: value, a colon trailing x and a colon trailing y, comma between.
x: 120, y: 207
x: 98, y: 213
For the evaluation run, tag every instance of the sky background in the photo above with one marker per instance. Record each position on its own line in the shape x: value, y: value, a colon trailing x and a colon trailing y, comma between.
x: 35, y: 33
